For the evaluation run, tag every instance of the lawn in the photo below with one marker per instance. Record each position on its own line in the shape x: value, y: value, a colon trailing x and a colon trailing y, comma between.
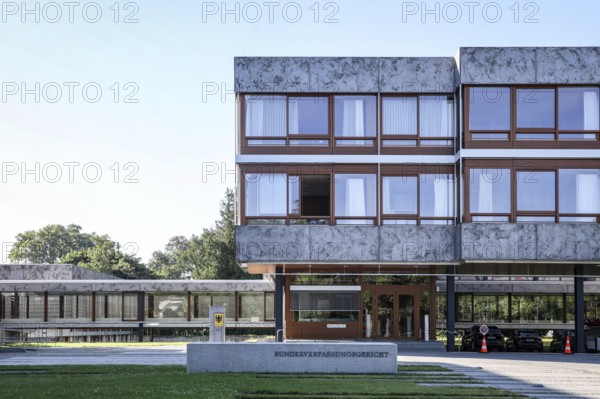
x: 174, y: 382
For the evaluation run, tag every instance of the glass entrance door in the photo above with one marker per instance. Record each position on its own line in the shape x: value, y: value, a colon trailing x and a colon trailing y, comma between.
x: 395, y: 315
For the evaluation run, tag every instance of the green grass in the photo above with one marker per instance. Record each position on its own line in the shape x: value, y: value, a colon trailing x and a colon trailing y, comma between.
x: 174, y: 382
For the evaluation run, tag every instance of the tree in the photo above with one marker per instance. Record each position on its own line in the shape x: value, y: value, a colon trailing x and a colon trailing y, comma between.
x: 60, y: 244
x: 49, y: 244
x: 209, y: 256
x: 106, y: 256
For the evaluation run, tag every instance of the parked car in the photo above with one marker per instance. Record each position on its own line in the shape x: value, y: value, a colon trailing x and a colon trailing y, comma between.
x: 559, y: 340
x: 524, y: 340
x: 472, y: 339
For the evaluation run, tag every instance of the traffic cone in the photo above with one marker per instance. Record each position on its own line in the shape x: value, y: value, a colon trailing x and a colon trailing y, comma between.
x: 568, y: 347
x: 484, y: 346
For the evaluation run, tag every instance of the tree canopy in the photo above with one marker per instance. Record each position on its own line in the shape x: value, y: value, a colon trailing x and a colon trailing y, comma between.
x: 208, y: 256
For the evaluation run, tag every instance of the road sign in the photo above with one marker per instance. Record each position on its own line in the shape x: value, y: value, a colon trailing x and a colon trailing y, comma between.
x: 484, y: 329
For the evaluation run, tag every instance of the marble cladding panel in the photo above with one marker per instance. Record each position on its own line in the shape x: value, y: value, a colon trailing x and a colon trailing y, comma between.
x: 422, y: 74
x: 344, y: 74
x: 272, y: 74
x: 272, y: 243
x: 417, y: 244
x: 576, y: 242
x: 501, y: 241
x: 344, y: 243
x: 530, y: 65
x: 568, y: 65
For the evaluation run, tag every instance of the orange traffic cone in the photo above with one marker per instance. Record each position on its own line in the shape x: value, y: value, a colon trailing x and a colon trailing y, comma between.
x: 484, y: 346
x: 568, y: 347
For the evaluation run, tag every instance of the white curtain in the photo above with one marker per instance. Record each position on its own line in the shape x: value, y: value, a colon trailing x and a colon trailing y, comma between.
x: 436, y: 116
x: 400, y: 116
x: 294, y: 119
x: 354, y: 118
x: 266, y: 195
x: 587, y: 193
x: 355, y: 197
x: 442, y: 197
x: 265, y: 116
x: 387, y: 186
x: 485, y: 200
x: 591, y: 110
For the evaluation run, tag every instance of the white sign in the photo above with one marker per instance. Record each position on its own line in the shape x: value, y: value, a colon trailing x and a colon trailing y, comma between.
x: 484, y: 329
x: 336, y: 326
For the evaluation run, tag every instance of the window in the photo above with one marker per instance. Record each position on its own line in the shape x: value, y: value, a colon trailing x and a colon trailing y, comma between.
x: 536, y: 191
x: 579, y: 194
x: 547, y: 114
x: 266, y: 195
x: 251, y: 306
x: 167, y: 306
x: 308, y: 115
x: 490, y: 194
x: 266, y: 117
x: 489, y: 108
x: 355, y: 196
x: 578, y: 112
x: 535, y: 108
x: 355, y: 120
x: 421, y: 199
x: 323, y: 306
x: 425, y: 120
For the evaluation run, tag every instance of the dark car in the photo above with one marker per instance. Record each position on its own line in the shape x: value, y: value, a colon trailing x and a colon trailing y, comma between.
x: 524, y: 340
x: 559, y: 340
x: 472, y: 339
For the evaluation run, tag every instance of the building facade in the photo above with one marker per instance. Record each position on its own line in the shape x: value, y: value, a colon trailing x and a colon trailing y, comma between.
x: 394, y: 198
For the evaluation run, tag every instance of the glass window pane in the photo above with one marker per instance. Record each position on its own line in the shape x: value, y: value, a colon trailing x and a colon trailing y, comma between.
x: 265, y: 116
x: 400, y: 115
x: 437, y: 195
x: 400, y: 195
x: 578, y: 108
x: 355, y: 195
x: 579, y: 190
x: 251, y: 306
x: 535, y: 191
x: 535, y: 108
x: 355, y: 116
x: 436, y: 116
x: 489, y: 108
x: 308, y: 115
x: 490, y: 190
x: 294, y: 195
x: 269, y: 306
x: 266, y: 194
x: 320, y: 306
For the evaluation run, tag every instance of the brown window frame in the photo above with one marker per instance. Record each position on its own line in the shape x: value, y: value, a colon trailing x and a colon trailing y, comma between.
x: 331, y: 148
x: 525, y: 165
x: 415, y: 171
x: 512, y: 141
x: 300, y: 170
x: 418, y: 148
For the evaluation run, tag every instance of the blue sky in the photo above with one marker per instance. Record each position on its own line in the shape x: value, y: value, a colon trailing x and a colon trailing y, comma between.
x: 151, y: 134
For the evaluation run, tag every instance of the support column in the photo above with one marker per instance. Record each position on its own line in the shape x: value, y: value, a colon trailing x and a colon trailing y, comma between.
x: 451, y: 301
x: 579, y: 311
x: 279, y: 303
x: 140, y: 303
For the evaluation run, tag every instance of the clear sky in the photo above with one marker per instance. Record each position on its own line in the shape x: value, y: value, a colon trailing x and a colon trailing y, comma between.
x: 156, y: 123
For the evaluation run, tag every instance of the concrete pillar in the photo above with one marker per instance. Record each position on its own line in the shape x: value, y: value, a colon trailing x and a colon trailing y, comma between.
x: 140, y: 300
x: 450, y: 292
x: 279, y: 303
x: 579, y: 344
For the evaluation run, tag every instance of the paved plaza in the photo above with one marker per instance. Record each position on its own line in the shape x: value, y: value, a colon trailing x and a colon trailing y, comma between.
x: 533, y: 374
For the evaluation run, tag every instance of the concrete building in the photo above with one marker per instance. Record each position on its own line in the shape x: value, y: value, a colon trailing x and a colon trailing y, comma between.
x: 391, y: 196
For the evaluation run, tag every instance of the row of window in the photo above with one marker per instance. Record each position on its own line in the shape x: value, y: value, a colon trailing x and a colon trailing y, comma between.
x: 532, y: 113
x: 348, y: 198
x: 492, y: 113
x: 251, y: 306
x: 347, y: 120
x: 511, y: 308
x: 500, y: 194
